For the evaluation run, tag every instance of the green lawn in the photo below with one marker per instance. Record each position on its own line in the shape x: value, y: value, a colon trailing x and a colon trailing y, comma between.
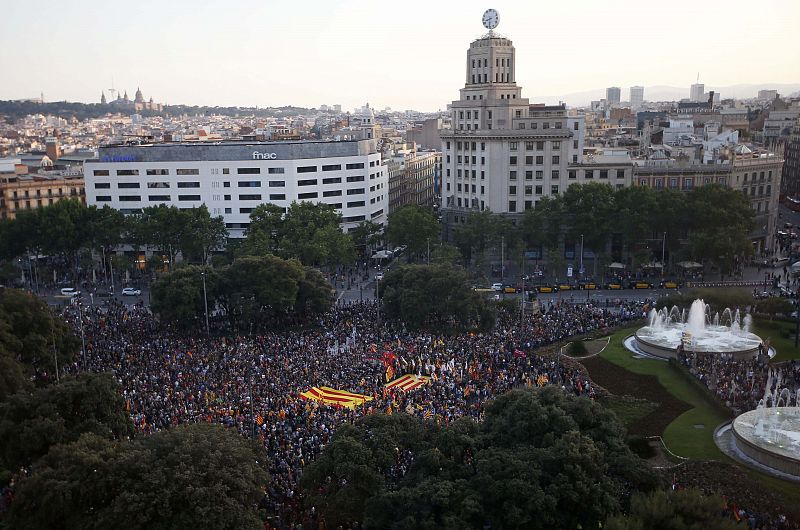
x: 628, y: 409
x: 779, y: 334
x: 681, y: 436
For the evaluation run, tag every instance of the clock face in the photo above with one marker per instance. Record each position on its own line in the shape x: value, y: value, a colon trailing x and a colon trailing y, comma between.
x: 491, y: 18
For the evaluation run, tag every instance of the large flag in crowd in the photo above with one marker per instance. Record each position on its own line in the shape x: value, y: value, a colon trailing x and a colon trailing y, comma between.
x: 408, y: 382
x: 332, y: 396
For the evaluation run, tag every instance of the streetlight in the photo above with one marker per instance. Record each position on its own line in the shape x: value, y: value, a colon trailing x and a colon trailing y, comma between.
x: 205, y: 301
x: 581, y: 269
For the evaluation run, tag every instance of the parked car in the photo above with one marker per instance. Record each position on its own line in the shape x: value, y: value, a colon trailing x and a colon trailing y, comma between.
x: 70, y: 292
x: 546, y: 289
x: 131, y: 291
x: 509, y: 289
x: 639, y: 284
x: 589, y: 285
x: 615, y: 285
x: 670, y: 284
x: 379, y: 277
x: 497, y: 286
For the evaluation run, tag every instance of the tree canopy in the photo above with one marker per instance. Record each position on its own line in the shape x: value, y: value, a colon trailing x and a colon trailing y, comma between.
x: 430, y: 295
x: 412, y: 226
x: 685, y: 509
x: 539, y: 460
x: 190, y: 476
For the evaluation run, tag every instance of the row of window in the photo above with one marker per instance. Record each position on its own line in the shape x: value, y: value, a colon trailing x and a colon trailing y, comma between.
x: 133, y: 185
x: 513, y: 146
x: 272, y: 197
x: 226, y: 171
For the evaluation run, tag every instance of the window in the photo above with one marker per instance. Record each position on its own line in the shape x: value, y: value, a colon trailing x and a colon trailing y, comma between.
x: 245, y: 210
x: 250, y: 197
x: 275, y: 171
x: 512, y: 175
x: 355, y: 204
x: 226, y: 184
x: 100, y: 173
x: 310, y: 195
x: 307, y: 169
x: 377, y: 213
x: 194, y: 171
x: 529, y: 175
x: 226, y: 171
x: 687, y: 184
x: 332, y: 193
x: 554, y: 174
x: 588, y: 174
x: 127, y: 185
x: 572, y: 174
x: 512, y: 146
x: 335, y: 180
x: 332, y: 167
x: 483, y: 146
x: 130, y: 198
x: 155, y: 198
x: 358, y: 178
x: 228, y: 210
x: 227, y: 197
x: 603, y: 173
x: 539, y: 174
x: 248, y: 170
x: 356, y: 191
x: 539, y: 160
x: 512, y: 190
x: 158, y: 184
x: 538, y: 190
x: 512, y: 206
x: 546, y: 125
x: 100, y: 186
x: 188, y: 197
x: 307, y: 182
x: 157, y: 171
x: 556, y: 159
x: 277, y: 197
x: 528, y: 160
x: 554, y: 189
x: 512, y: 160
x: 250, y: 184
x: 104, y: 198
x: 188, y: 184
x: 528, y: 190
x: 127, y: 172
x: 575, y: 126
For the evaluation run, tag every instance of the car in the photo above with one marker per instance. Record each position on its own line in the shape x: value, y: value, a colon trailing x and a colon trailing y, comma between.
x: 379, y: 277
x: 545, y: 289
x: 564, y: 287
x: 589, y: 286
x: 788, y: 225
x: 638, y: 284
x: 670, y: 284
x: 70, y: 292
x: 497, y: 286
x: 509, y: 289
x: 615, y: 285
x: 131, y: 291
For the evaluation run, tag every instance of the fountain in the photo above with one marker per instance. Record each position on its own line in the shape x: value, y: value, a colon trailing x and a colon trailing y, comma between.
x: 727, y: 333
x: 770, y: 435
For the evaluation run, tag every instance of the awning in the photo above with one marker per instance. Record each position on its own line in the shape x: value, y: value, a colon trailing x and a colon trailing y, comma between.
x: 616, y: 265
x: 690, y: 265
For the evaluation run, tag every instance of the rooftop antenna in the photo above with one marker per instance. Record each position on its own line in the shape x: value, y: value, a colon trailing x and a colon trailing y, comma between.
x: 112, y: 90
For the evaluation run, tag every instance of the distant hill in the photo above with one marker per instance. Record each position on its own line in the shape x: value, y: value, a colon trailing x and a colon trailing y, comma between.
x: 13, y: 110
x: 671, y: 93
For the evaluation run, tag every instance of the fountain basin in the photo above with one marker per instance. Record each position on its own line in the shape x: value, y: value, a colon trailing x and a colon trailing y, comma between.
x: 771, y: 437
x: 664, y: 341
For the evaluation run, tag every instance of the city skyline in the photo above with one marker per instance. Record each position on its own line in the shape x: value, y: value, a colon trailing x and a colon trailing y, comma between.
x: 351, y: 52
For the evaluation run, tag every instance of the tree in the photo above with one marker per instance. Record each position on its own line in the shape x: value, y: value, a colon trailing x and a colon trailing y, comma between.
x: 592, y: 209
x: 178, y: 296
x: 685, y: 509
x: 190, y: 476
x: 365, y: 234
x: 634, y: 220
x: 203, y: 234
x: 263, y: 234
x: 414, y: 227
x: 721, y: 223
x: 31, y: 423
x: 315, y: 294
x: 65, y: 229
x: 428, y: 295
x: 32, y: 341
x: 540, y: 459
x: 481, y: 232
x: 774, y: 306
x: 542, y: 225
x: 311, y: 233
x: 163, y: 228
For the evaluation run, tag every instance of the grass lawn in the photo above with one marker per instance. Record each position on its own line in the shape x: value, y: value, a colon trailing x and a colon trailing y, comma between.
x: 681, y: 435
x: 628, y: 409
x: 780, y: 335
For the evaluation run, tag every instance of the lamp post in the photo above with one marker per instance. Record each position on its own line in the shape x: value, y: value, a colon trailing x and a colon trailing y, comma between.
x: 580, y: 272
x: 205, y: 301
x: 663, y: 247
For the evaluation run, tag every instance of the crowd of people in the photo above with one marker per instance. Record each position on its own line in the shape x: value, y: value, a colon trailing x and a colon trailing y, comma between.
x: 253, y: 383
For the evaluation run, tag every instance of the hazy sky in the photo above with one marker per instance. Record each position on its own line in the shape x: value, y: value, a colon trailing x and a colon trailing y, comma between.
x: 407, y: 54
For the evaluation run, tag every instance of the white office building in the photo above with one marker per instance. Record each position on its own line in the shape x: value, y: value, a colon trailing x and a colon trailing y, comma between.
x: 232, y: 178
x: 697, y: 92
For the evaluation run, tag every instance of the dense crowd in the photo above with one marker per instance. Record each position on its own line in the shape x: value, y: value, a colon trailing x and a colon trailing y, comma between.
x: 252, y: 383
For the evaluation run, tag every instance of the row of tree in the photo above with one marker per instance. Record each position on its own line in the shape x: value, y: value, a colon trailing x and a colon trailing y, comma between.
x: 251, y: 289
x: 710, y: 224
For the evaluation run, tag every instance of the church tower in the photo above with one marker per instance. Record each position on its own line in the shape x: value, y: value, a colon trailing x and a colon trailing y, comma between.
x: 103, y: 98
x: 138, y: 98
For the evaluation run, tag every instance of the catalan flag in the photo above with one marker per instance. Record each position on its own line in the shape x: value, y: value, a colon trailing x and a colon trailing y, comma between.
x: 408, y: 382
x: 332, y: 396
x: 259, y: 420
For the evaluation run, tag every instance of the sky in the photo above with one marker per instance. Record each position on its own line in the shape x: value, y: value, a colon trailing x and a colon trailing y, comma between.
x: 403, y: 55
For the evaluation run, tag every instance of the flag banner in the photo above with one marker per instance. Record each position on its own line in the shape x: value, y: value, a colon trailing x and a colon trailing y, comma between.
x: 408, y: 382
x: 332, y: 396
x: 389, y: 372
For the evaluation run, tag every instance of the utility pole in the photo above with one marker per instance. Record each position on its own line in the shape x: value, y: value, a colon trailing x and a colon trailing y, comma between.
x: 581, y: 269
x: 205, y: 302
